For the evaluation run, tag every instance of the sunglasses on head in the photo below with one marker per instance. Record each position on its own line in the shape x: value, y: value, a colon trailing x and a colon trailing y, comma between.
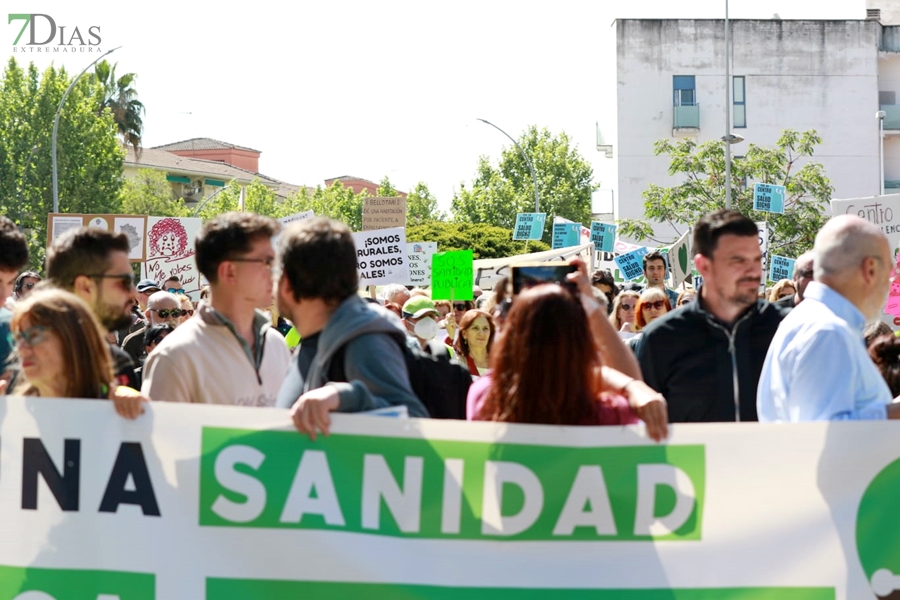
x: 658, y: 305
x: 165, y: 313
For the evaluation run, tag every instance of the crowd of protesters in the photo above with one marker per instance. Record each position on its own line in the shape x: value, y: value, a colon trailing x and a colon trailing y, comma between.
x: 288, y: 327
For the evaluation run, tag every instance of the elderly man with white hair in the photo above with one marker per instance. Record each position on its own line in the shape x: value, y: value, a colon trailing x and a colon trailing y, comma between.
x: 817, y: 368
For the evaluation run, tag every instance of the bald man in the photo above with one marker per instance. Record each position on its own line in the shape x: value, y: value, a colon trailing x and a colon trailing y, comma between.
x: 817, y: 368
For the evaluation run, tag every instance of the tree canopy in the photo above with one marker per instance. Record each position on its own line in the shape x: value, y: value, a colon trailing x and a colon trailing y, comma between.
x: 702, y: 190
x: 485, y: 241
x: 121, y: 99
x: 148, y: 193
x: 496, y: 194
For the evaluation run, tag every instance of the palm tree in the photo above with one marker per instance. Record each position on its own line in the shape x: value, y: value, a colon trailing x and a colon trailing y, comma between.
x: 121, y: 99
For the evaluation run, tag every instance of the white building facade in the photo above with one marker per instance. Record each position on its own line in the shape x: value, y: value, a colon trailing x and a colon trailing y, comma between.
x: 831, y: 76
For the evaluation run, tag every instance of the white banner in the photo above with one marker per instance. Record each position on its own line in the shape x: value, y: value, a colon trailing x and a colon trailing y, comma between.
x: 489, y: 270
x: 170, y: 252
x: 300, y: 216
x: 192, y: 502
x: 419, y: 255
x: 381, y: 256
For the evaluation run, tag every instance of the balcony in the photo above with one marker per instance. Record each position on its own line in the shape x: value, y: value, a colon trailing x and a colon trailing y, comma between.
x: 892, y: 116
x: 686, y: 119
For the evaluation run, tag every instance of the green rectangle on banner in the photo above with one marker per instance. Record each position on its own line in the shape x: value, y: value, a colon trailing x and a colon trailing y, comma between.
x: 280, y: 479
x: 452, y: 275
x: 75, y: 584
x: 245, y: 589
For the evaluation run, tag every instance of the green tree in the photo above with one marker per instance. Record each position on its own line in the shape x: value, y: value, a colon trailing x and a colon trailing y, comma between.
x: 120, y: 97
x: 422, y: 206
x: 702, y: 170
x: 89, y: 157
x: 485, y: 241
x: 497, y: 194
x: 257, y: 198
x: 148, y: 193
x: 335, y: 201
x: 386, y: 189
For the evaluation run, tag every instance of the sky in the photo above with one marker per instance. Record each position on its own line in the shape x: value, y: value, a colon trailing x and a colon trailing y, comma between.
x: 369, y: 89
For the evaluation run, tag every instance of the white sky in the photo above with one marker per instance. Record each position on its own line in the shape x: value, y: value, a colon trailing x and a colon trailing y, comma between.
x: 391, y: 87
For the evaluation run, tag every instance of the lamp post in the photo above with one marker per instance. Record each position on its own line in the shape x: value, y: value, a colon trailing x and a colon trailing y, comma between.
x: 731, y: 138
x: 880, y: 115
x: 727, y: 111
x: 56, y: 128
x: 537, y: 202
x: 210, y: 197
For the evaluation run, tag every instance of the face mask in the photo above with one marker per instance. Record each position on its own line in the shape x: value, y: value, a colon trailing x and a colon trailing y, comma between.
x: 426, y: 328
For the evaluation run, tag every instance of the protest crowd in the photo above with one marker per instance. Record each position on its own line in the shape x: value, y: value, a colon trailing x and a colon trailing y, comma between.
x: 285, y: 325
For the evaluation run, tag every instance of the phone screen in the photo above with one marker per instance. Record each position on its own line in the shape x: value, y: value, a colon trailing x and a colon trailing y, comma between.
x: 525, y: 276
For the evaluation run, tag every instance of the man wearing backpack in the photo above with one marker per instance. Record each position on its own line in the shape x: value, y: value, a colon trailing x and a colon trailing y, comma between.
x: 317, y: 291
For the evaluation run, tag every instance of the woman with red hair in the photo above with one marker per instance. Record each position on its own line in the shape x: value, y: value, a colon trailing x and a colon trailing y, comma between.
x: 546, y: 368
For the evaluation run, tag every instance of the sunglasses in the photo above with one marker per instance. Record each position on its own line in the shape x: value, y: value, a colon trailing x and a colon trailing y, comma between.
x: 459, y: 306
x: 126, y: 280
x: 627, y: 306
x: 658, y: 305
x: 176, y: 290
x: 31, y: 337
x: 165, y: 313
x: 29, y: 285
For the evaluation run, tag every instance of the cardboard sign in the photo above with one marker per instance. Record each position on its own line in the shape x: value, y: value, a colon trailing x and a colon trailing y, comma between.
x: 383, y: 213
x: 768, y: 197
x: 300, y: 216
x: 133, y: 226
x: 566, y: 235
x: 603, y: 235
x: 782, y: 268
x: 680, y: 263
x: 452, y: 276
x: 170, y: 252
x: 381, y: 256
x: 419, y: 255
x: 529, y: 226
x: 631, y: 264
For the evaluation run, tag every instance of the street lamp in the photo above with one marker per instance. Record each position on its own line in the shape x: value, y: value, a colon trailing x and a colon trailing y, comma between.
x: 537, y: 202
x: 56, y: 128
x: 731, y: 138
x: 208, y: 198
x: 880, y: 115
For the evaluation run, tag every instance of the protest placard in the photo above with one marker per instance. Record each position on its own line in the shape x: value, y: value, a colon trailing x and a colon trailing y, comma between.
x: 170, y: 252
x: 300, y: 216
x: 603, y: 235
x: 452, y: 276
x: 381, y: 256
x: 232, y: 502
x: 631, y: 264
x: 782, y: 268
x: 768, y: 197
x: 419, y: 255
x: 383, y: 213
x: 681, y: 261
x: 529, y: 226
x: 133, y: 226
x: 566, y: 234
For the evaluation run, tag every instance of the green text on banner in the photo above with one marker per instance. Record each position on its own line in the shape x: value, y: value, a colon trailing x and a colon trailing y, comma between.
x: 452, y: 275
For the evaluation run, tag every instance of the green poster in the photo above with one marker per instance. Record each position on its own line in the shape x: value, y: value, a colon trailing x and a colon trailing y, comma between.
x: 452, y: 276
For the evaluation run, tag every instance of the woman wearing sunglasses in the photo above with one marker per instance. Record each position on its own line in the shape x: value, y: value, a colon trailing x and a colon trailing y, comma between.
x: 623, y: 311
x: 652, y: 304
x: 62, y: 353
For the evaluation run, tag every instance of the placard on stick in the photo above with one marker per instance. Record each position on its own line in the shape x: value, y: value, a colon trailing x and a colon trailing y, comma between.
x: 452, y: 276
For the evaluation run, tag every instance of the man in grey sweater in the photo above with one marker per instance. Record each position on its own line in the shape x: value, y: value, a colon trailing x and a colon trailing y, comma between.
x: 317, y: 291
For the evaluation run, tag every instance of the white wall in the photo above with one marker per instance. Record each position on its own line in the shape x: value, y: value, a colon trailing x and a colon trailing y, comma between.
x: 801, y: 75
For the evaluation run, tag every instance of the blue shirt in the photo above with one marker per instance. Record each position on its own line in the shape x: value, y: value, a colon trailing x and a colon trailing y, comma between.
x: 817, y: 368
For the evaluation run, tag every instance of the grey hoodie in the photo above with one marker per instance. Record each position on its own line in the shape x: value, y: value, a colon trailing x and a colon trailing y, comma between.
x: 373, y: 361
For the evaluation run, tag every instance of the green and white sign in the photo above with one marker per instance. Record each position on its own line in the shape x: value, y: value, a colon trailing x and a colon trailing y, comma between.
x: 230, y: 502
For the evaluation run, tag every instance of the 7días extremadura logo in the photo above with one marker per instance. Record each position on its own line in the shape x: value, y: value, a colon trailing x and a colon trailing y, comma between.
x: 44, y: 34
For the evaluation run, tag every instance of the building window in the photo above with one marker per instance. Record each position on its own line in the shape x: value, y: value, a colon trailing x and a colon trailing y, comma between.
x: 740, y: 106
x: 887, y: 98
x: 685, y: 90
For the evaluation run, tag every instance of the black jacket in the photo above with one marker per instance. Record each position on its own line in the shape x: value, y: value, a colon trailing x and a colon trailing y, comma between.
x: 689, y: 355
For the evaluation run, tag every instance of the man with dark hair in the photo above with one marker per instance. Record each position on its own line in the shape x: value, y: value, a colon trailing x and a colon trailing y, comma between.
x: 317, y: 291
x: 25, y: 282
x: 13, y: 256
x: 655, y: 271
x: 603, y: 280
x: 706, y: 357
x: 93, y: 264
x: 228, y: 354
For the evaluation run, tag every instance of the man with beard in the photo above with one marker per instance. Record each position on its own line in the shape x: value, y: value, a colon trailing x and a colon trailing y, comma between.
x: 706, y: 357
x: 93, y: 264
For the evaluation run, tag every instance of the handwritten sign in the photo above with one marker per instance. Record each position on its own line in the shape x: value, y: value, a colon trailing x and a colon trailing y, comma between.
x: 603, y: 235
x: 383, y: 213
x: 419, y: 254
x: 452, y: 275
x: 381, y: 256
x: 566, y: 235
x: 768, y: 197
x: 631, y: 264
x: 170, y: 252
x: 300, y: 216
x: 782, y: 268
x: 529, y: 226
